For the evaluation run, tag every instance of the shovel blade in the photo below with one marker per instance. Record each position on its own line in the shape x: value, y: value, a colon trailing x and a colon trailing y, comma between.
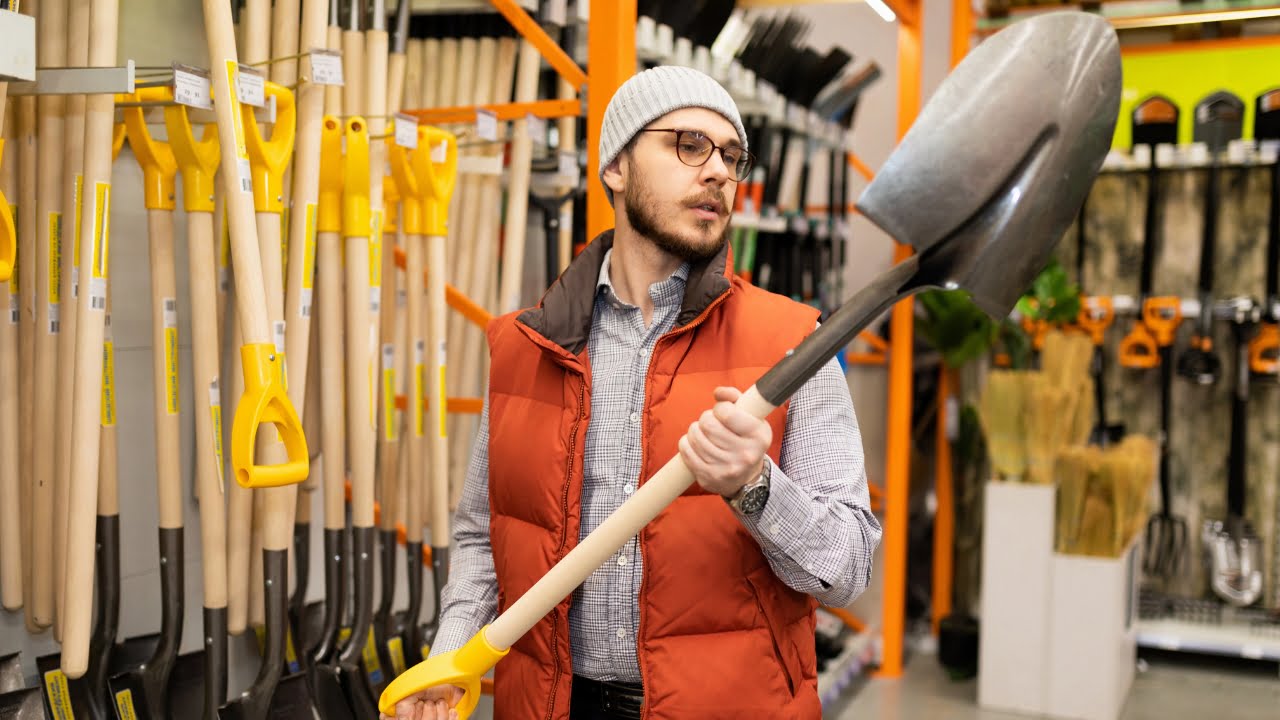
x: 25, y: 704
x: 1219, y: 120
x: 291, y: 700
x: 998, y: 163
x: 11, y: 673
x: 326, y: 688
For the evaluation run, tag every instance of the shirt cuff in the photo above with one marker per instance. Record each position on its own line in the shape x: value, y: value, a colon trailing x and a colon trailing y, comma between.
x: 776, y: 526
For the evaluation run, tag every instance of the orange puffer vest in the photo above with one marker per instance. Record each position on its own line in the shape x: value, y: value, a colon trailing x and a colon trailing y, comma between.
x: 720, y: 635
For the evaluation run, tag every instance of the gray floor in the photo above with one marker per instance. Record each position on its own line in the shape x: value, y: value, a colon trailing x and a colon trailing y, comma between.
x: 1169, y: 688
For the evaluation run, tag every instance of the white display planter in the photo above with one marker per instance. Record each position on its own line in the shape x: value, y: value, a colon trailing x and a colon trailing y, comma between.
x: 1057, y: 635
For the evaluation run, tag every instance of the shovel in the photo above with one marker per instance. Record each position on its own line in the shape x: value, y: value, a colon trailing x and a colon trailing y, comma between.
x: 1264, y: 349
x: 198, y: 161
x: 143, y: 692
x: 1044, y: 93
x: 1218, y: 121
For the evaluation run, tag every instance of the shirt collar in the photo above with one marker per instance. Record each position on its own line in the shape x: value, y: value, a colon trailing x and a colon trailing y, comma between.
x: 666, y: 292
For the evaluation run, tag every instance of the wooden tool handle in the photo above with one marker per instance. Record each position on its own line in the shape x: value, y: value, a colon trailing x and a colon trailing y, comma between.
x: 205, y: 383
x: 330, y: 308
x: 11, y: 507
x: 255, y: 26
x: 411, y: 97
x: 518, y: 185
x: 431, y: 68
x: 362, y: 324
x: 284, y: 41
x: 109, y: 457
x: 388, y: 380
x: 86, y: 431
x: 28, y: 234
x: 239, y: 512
x: 437, y: 326
x: 333, y: 94
x: 353, y: 73
x: 415, y: 434
x: 397, y: 75
x: 166, y: 373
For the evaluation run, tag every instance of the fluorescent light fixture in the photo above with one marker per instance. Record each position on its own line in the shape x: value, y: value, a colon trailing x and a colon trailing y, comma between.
x: 883, y: 10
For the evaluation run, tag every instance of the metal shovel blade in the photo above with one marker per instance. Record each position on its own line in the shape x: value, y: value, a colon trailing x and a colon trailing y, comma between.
x: 997, y: 164
x: 25, y: 704
x: 1219, y: 120
x: 11, y: 673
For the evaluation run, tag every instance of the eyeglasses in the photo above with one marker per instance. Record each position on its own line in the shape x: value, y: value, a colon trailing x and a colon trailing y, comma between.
x: 694, y: 149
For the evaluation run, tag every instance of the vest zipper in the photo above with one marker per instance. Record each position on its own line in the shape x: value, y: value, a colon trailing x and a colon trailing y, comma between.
x: 564, y: 513
x: 644, y: 451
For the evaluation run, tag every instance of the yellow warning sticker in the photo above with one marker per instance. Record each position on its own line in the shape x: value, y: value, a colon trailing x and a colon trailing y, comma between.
x: 284, y: 246
x: 395, y: 648
x: 55, y: 684
x: 375, y: 251
x: 309, y: 257
x: 55, y: 257
x: 108, y: 383
x: 419, y: 390
x: 124, y: 704
x: 101, y: 228
x: 215, y: 409
x: 75, y: 231
x: 371, y: 664
x: 171, y: 405
x: 389, y: 392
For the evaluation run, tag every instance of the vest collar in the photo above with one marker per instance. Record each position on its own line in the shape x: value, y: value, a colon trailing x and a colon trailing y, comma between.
x: 563, y: 316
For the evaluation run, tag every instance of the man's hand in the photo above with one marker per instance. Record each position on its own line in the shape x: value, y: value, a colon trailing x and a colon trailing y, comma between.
x: 725, y: 448
x: 435, y: 703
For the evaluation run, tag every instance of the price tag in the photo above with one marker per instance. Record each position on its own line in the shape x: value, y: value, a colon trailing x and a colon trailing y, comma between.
x: 569, y: 167
x: 191, y: 87
x: 440, y: 152
x: 557, y: 12
x: 251, y: 88
x: 13, y: 310
x: 406, y: 131
x: 98, y: 293
x: 486, y: 124
x: 326, y: 67
x: 537, y: 130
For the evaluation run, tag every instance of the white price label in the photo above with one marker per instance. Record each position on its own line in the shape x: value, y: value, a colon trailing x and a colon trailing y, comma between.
x: 191, y: 87
x: 251, y: 88
x: 440, y: 353
x: 246, y: 175
x: 406, y: 131
x: 107, y: 335
x: 487, y: 124
x: 13, y: 310
x: 440, y: 152
x: 556, y: 12
x: 224, y: 282
x: 277, y: 332
x: 326, y: 67
x: 388, y: 356
x: 170, y: 313
x: 419, y: 352
x: 305, y: 309
x: 98, y: 293
x: 402, y: 298
x: 569, y: 167
x: 1252, y: 652
x: 375, y: 299
x: 54, y: 325
x: 537, y: 130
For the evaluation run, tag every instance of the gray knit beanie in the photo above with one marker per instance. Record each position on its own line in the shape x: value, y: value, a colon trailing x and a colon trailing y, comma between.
x: 649, y: 95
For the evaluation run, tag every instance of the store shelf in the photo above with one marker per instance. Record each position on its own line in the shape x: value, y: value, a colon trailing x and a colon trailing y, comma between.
x: 1240, y: 154
x: 775, y: 224
x: 1138, y: 14
x: 1230, y: 640
x: 858, y: 653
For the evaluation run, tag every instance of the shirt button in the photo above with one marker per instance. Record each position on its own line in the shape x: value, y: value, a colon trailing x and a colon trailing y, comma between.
x: 622, y: 560
x: 628, y: 489
x: 635, y: 417
x: 621, y: 633
x: 773, y: 529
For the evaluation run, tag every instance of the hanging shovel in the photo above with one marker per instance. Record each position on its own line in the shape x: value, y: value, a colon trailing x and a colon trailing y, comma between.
x: 1044, y: 94
x: 1264, y: 349
x: 198, y: 161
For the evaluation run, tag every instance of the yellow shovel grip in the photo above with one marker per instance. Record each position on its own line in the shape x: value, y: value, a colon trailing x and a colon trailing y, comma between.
x: 268, y: 158
x: 329, y: 213
x: 355, y: 183
x: 8, y: 238
x: 391, y: 204
x: 197, y: 160
x: 406, y: 184
x: 435, y: 179
x: 463, y: 667
x: 266, y: 400
x: 117, y: 140
x: 156, y: 157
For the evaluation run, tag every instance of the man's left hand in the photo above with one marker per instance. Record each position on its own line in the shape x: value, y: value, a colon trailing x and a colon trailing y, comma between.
x: 726, y: 447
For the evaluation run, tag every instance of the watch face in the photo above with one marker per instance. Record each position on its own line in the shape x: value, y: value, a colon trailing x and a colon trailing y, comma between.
x: 753, y: 499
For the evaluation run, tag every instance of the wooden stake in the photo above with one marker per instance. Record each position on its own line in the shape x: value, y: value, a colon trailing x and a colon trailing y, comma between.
x: 94, y: 230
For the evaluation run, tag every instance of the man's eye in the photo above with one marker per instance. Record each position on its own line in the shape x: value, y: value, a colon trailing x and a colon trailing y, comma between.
x: 732, y: 157
x: 691, y: 147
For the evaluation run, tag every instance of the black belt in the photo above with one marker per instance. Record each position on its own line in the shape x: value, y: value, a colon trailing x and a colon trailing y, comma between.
x: 593, y: 699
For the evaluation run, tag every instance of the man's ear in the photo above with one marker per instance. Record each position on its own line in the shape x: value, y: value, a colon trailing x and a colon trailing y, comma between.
x: 615, y: 174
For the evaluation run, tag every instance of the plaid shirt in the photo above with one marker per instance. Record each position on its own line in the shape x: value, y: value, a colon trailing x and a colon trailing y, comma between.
x: 816, y: 529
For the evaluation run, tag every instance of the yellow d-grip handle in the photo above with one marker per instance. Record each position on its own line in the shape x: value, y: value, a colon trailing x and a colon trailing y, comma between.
x: 1138, y: 349
x: 265, y: 400
x: 329, y: 213
x: 435, y: 178
x: 197, y: 160
x: 117, y: 140
x: 268, y: 158
x: 406, y: 184
x: 355, y: 182
x: 463, y: 667
x: 8, y: 235
x: 1264, y: 349
x: 159, y: 168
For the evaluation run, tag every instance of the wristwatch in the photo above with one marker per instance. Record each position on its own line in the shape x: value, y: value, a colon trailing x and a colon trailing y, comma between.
x: 750, y: 498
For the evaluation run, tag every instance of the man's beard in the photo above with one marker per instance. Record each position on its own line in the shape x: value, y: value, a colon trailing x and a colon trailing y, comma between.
x: 647, y: 221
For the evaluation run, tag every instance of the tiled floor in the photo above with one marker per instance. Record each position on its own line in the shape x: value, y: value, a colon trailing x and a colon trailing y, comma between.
x: 1170, y: 688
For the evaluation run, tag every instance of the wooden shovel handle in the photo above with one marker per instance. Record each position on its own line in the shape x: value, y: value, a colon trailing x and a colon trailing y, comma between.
x: 11, y: 507
x: 437, y: 357
x: 330, y: 308
x: 416, y: 436
x: 362, y: 324
x: 166, y: 373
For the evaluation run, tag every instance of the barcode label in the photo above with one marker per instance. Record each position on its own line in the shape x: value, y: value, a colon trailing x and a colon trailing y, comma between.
x: 375, y: 299
x: 419, y: 352
x: 537, y: 130
x: 13, y: 310
x: 402, y: 298
x: 98, y: 293
x: 246, y: 175
x: 223, y: 280
x: 191, y: 87
x: 250, y: 87
x: 440, y: 152
x: 278, y: 333
x: 170, y: 313
x: 326, y: 67
x: 309, y: 261
x: 486, y: 125
x: 54, y: 325
x: 406, y: 131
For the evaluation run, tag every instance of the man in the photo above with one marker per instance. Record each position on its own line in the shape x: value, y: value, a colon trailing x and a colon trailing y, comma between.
x: 636, y: 353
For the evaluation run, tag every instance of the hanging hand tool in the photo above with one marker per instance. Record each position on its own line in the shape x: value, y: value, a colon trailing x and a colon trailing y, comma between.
x: 198, y: 162
x: 1095, y: 318
x: 1233, y: 548
x: 91, y: 306
x: 1150, y: 341
x: 144, y: 692
x: 69, y: 287
x: 323, y: 679
x: 437, y: 174
x: 1264, y: 349
x: 982, y: 221
x: 1218, y: 121
x: 51, y: 47
x: 11, y: 579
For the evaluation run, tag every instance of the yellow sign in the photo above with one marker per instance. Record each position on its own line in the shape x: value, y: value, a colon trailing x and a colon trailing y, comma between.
x: 59, y: 695
x: 371, y: 663
x: 124, y: 703
x: 101, y: 228
x: 395, y: 648
x: 108, y: 383
x: 55, y: 256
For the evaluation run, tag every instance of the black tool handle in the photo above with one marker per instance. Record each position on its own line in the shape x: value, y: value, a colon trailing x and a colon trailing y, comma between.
x: 413, y: 564
x: 334, y: 552
x: 384, y: 618
x: 355, y: 682
x: 301, y: 569
x: 1237, y: 461
x: 1166, y: 407
x: 215, y: 661
x: 107, y: 624
x: 1209, y: 237
x: 255, y: 702
x: 1273, y: 243
x: 156, y: 672
x: 802, y: 363
x: 1151, y: 228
